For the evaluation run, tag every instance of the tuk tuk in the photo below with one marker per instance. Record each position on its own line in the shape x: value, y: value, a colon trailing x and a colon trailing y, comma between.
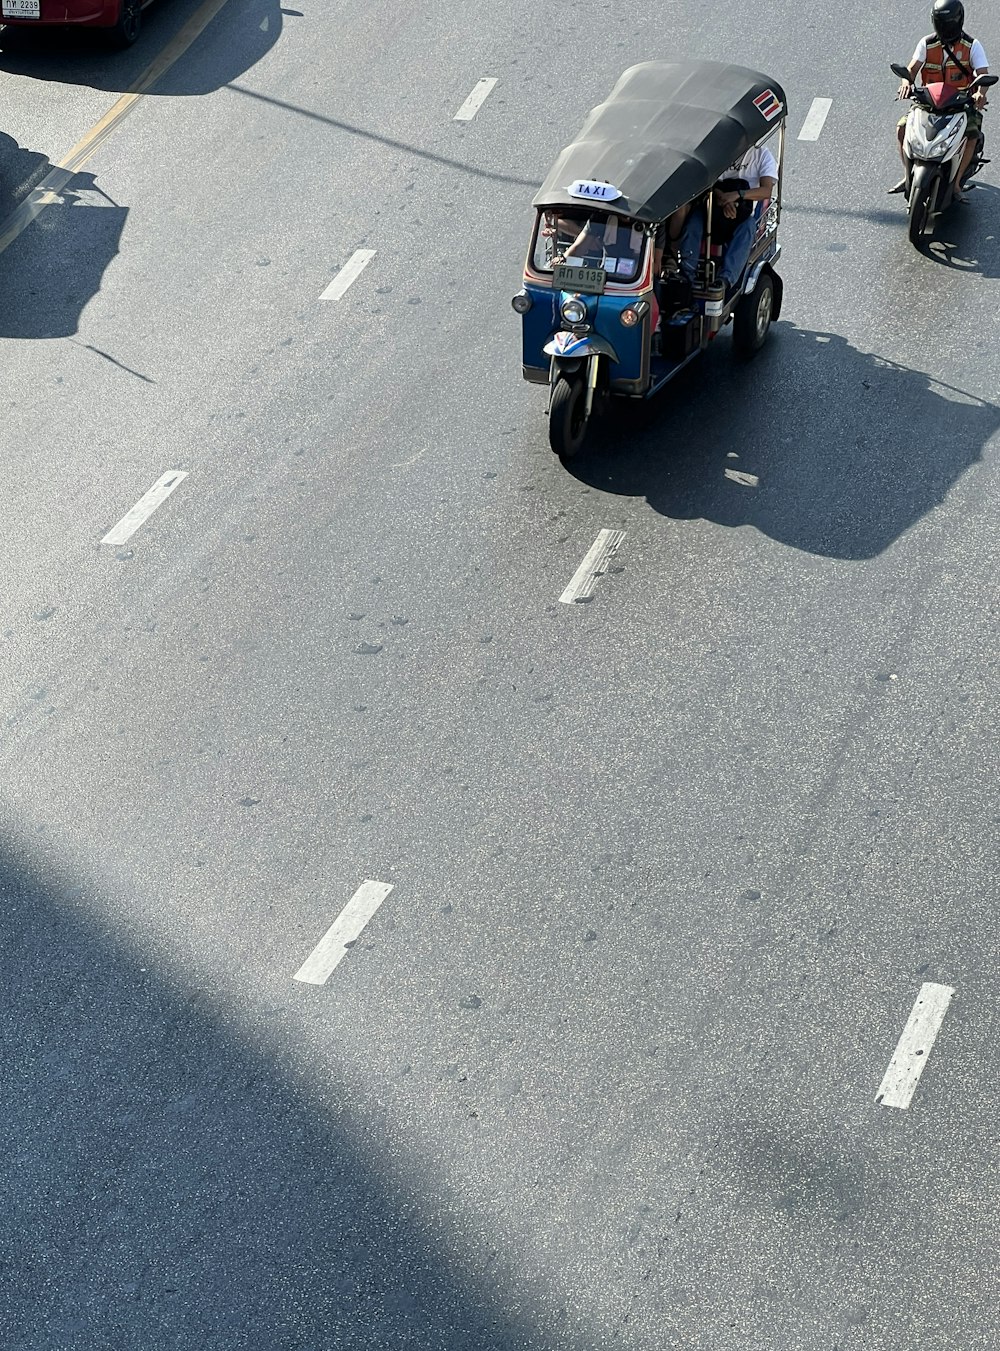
x: 605, y: 307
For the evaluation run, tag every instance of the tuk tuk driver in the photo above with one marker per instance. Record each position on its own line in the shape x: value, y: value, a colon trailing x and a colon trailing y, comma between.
x: 610, y: 243
x: 589, y: 243
x: 759, y: 170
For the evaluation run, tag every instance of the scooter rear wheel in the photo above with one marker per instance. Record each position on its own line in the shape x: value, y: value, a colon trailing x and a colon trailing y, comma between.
x: 568, y: 417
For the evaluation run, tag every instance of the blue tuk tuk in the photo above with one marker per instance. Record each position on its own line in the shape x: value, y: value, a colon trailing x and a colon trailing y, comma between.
x: 606, y: 308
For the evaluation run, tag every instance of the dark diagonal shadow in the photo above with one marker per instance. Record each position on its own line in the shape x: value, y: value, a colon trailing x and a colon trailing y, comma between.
x: 386, y: 140
x: 876, y: 215
x: 818, y: 445
x: 106, y: 356
x: 166, y: 1184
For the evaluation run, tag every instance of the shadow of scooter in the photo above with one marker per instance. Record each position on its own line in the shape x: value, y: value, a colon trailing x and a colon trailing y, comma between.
x: 967, y: 237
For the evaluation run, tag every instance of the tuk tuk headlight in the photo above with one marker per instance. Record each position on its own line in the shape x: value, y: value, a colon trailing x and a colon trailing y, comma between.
x: 573, y: 310
x: 521, y: 302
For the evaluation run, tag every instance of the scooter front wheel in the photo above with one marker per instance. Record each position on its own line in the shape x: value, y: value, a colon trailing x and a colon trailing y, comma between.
x: 923, y: 197
x: 568, y: 416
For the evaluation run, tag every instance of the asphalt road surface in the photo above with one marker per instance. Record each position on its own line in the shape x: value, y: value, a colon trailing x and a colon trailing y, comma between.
x: 669, y: 869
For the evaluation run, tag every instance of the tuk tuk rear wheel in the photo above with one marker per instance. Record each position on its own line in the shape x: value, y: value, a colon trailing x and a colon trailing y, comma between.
x: 752, y: 316
x: 568, y: 417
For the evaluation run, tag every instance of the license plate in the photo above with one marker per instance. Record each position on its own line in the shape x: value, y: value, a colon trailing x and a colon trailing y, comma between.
x: 587, y: 280
x: 21, y: 9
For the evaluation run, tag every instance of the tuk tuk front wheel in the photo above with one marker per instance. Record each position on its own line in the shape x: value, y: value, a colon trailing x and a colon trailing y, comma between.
x: 752, y: 316
x: 568, y: 417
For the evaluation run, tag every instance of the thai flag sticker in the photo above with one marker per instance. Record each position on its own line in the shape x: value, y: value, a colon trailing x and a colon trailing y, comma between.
x: 768, y: 105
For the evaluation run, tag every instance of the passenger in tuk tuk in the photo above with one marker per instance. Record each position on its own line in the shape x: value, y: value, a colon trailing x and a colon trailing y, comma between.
x: 748, y: 183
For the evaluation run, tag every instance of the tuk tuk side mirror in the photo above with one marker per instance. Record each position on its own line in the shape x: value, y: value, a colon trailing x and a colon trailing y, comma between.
x: 899, y: 70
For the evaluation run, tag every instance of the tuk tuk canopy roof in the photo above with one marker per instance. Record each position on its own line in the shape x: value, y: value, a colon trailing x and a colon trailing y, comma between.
x: 666, y: 133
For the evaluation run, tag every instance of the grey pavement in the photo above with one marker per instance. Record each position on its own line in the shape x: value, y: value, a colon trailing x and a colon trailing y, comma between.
x: 669, y: 867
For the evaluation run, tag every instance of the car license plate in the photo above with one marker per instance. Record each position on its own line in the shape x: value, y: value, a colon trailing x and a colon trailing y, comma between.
x: 587, y: 280
x: 21, y: 9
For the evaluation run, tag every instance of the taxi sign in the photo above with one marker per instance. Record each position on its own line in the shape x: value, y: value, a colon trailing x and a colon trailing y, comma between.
x: 591, y: 191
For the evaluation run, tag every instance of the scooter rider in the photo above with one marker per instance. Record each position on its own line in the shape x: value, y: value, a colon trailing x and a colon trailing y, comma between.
x: 947, y: 56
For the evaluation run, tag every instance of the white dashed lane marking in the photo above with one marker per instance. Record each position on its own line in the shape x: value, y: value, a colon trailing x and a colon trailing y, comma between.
x: 348, y: 274
x: 331, y: 949
x: 145, y: 507
x: 739, y: 476
x: 910, y: 1056
x: 475, y: 101
x: 815, y: 118
x: 595, y: 565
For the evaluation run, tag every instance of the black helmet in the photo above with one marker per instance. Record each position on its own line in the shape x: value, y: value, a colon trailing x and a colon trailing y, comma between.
x: 948, y: 17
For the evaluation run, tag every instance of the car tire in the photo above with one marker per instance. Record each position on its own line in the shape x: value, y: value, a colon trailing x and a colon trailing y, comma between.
x: 128, y: 25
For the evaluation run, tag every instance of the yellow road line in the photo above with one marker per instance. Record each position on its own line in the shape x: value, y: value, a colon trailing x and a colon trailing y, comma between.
x: 50, y: 189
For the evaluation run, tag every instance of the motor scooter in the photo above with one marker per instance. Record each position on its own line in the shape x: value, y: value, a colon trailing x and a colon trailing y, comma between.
x: 932, y: 147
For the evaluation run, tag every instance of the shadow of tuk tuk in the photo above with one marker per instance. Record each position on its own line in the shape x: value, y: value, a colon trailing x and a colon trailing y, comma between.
x: 819, y: 446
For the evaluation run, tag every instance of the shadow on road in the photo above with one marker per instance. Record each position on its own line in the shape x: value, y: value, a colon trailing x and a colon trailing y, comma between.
x: 21, y: 171
x: 964, y: 238
x: 237, y: 38
x: 51, y: 271
x: 818, y: 445
x: 367, y: 134
x: 967, y: 238
x: 166, y: 1183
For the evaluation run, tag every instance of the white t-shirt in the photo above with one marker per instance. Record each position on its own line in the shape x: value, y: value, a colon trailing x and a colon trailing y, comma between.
x: 757, y: 163
x: 979, y: 61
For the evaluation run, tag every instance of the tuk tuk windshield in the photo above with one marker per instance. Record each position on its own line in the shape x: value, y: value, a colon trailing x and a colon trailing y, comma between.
x: 590, y: 239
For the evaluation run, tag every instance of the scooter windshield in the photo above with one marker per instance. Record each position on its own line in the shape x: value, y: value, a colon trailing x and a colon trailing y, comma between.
x: 590, y: 239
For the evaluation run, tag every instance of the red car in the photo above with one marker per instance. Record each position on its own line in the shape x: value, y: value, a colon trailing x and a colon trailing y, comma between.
x: 122, y: 19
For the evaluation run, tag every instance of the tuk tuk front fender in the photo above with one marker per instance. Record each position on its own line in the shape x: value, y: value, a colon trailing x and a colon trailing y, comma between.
x: 570, y: 346
x: 586, y: 368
